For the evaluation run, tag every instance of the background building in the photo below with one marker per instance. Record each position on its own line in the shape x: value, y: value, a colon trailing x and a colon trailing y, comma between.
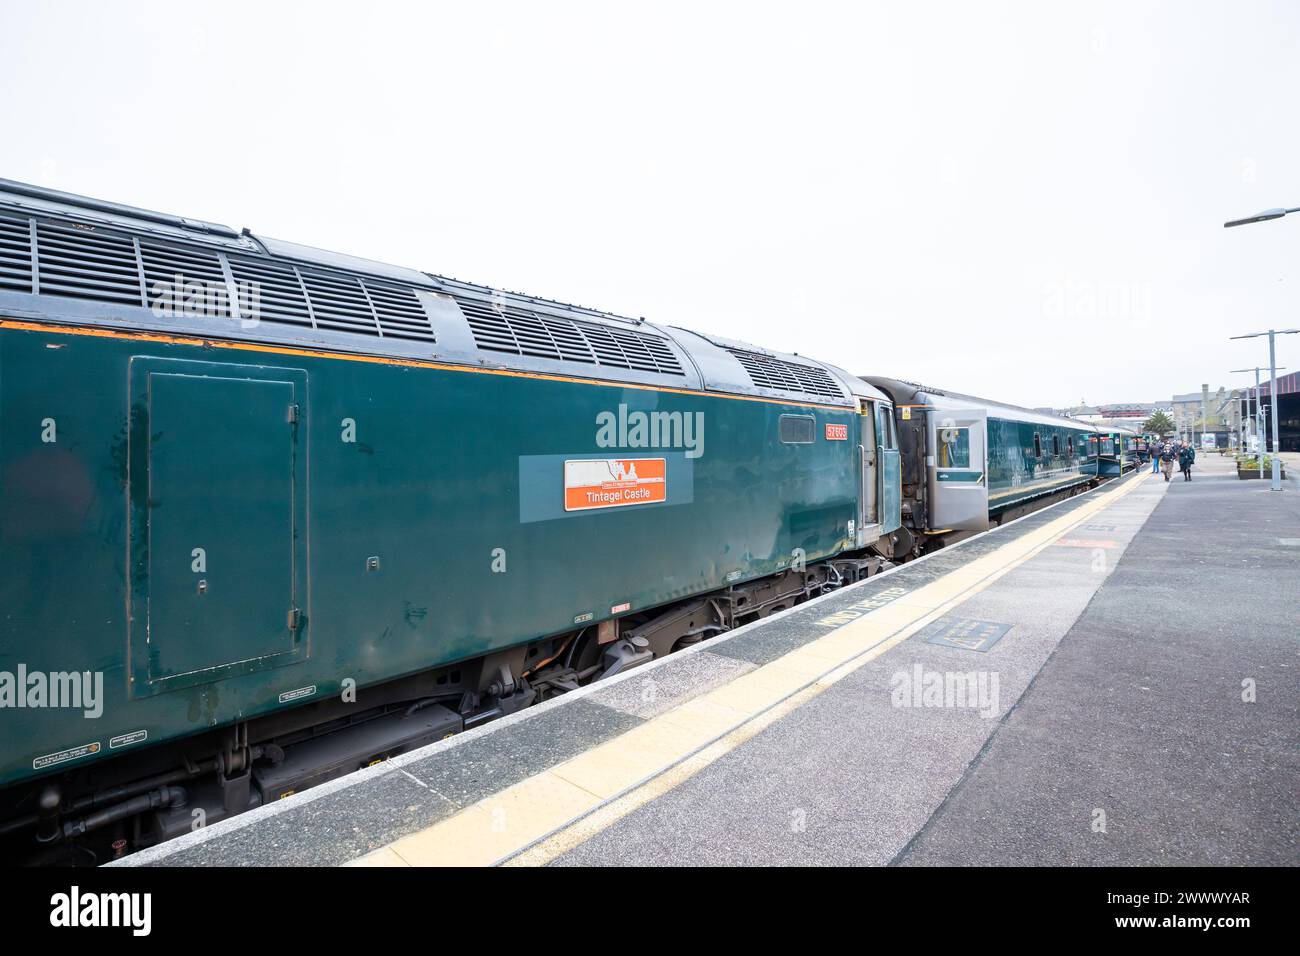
x: 1118, y: 414
x: 1221, y: 413
x: 1205, y: 412
x: 1288, y: 401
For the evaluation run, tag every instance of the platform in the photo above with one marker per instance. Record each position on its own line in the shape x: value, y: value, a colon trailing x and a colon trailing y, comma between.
x: 1065, y: 689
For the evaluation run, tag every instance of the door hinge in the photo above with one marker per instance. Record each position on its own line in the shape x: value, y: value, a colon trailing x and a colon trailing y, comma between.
x: 293, y: 413
x: 295, y: 618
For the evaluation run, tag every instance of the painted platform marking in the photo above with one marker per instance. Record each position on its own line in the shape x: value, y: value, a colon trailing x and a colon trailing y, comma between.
x: 859, y: 608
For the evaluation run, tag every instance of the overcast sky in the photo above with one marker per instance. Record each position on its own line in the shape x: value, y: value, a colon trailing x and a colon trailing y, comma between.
x: 1019, y: 200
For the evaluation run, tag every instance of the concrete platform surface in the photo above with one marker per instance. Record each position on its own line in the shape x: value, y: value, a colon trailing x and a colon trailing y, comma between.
x: 1071, y: 688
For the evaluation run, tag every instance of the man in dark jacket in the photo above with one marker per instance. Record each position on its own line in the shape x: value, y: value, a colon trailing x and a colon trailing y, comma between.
x: 1167, y: 457
x: 1185, y: 458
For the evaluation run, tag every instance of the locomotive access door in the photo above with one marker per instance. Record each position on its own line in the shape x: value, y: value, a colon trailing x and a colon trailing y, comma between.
x: 218, y: 542
x: 958, y: 485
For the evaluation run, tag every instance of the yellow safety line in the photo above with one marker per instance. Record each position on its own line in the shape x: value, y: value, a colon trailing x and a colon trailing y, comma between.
x: 551, y: 812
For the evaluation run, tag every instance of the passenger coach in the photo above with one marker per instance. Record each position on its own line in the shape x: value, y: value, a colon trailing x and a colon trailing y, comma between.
x: 969, y: 463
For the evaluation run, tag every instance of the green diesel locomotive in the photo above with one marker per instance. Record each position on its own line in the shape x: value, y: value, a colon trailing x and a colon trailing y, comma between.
x: 270, y: 514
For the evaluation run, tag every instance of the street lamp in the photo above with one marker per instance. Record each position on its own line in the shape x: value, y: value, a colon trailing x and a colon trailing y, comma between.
x: 1264, y: 216
x: 1272, y: 394
x: 1259, y: 413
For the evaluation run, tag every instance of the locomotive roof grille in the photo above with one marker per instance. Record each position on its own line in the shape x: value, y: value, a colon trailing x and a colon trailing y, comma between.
x: 86, y: 265
x: 768, y: 371
x: 15, y: 254
x: 52, y: 257
x: 177, y: 268
x: 282, y: 294
x: 499, y: 327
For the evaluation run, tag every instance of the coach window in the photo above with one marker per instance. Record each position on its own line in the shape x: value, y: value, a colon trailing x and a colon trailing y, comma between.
x: 1038, y: 446
x: 797, y: 429
x: 1056, y: 446
x: 954, y: 447
x: 1070, y: 444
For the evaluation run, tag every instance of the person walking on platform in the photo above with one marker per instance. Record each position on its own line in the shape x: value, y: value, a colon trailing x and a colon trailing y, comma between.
x: 1185, y: 458
x: 1153, y: 446
x: 1167, y: 456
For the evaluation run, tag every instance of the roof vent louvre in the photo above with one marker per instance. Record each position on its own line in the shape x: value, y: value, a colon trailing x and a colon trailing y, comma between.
x: 270, y: 291
x: 181, y: 279
x: 339, y: 302
x: 506, y: 328
x: 768, y: 371
x: 84, y: 263
x: 15, y: 254
x: 400, y: 313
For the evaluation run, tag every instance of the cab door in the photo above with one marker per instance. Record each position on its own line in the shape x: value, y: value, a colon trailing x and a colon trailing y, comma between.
x: 868, y: 524
x: 890, y: 497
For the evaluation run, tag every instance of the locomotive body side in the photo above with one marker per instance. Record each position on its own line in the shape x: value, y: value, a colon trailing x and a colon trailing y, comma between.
x: 410, y: 516
x: 288, y: 512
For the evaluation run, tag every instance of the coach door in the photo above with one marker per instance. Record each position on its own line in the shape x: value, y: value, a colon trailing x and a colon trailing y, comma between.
x: 868, y: 476
x: 959, y: 492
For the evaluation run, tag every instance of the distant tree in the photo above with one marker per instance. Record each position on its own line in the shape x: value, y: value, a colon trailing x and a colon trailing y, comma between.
x: 1159, y: 423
